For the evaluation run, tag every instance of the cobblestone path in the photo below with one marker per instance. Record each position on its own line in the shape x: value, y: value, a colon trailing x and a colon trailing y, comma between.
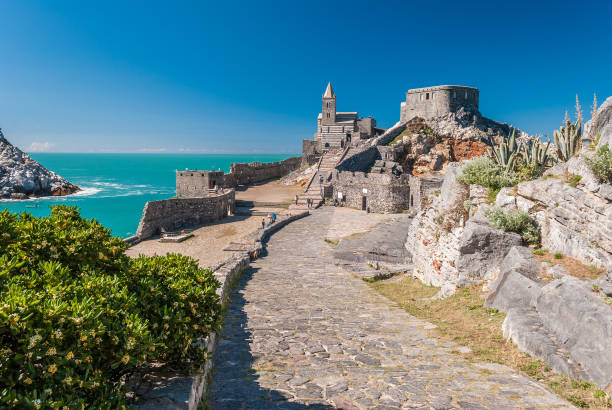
x: 301, y: 334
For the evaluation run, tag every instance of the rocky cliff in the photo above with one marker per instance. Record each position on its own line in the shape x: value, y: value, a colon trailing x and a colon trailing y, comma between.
x: 22, y: 177
x: 429, y: 145
x: 553, y: 314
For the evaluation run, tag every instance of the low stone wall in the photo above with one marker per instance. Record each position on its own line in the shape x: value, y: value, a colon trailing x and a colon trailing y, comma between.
x: 178, y: 391
x: 175, y: 214
x: 383, y: 192
x: 243, y: 173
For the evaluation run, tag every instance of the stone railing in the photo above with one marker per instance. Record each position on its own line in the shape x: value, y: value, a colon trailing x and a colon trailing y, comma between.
x: 173, y: 390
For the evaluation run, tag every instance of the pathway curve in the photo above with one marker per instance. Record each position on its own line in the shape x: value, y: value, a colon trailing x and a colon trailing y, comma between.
x: 300, y: 333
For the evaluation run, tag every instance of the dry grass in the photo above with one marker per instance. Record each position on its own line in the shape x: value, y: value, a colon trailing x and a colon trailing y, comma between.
x: 463, y: 319
x: 572, y: 266
x: 332, y: 242
x: 229, y: 231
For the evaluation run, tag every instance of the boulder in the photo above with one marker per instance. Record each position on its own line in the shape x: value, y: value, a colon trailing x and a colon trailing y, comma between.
x: 516, y: 285
x: 482, y: 247
x: 582, y: 323
x: 521, y: 259
x: 524, y: 327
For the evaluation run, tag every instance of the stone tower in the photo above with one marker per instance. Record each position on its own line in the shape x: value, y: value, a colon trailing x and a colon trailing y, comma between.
x: 329, y: 106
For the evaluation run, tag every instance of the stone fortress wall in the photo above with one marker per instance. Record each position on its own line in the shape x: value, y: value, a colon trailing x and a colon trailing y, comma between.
x: 373, y: 192
x: 382, y: 192
x: 196, y: 203
x: 243, y: 173
x: 437, y: 101
x: 178, y: 213
x: 197, y: 184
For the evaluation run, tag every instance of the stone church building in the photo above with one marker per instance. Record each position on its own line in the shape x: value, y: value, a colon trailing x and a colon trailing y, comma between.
x: 335, y: 129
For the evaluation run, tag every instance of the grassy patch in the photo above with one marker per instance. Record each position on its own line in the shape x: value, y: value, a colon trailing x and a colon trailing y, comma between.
x: 573, y: 179
x: 572, y: 266
x: 463, y: 319
x: 332, y: 242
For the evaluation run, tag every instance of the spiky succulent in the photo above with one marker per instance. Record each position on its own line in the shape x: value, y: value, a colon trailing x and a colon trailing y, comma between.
x: 568, y: 139
x: 506, y: 153
x: 535, y: 153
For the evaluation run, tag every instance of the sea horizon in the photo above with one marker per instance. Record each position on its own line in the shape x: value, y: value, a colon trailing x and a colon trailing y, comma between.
x: 116, y: 186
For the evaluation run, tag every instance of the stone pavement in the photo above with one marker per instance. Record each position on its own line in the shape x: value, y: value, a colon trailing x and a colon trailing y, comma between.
x: 300, y: 333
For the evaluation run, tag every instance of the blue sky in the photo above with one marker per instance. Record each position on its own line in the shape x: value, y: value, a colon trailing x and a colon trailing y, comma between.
x: 243, y: 77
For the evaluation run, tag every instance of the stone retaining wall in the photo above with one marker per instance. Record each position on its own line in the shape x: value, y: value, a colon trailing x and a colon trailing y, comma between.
x: 178, y: 391
x: 175, y: 214
x: 243, y: 173
x: 382, y: 192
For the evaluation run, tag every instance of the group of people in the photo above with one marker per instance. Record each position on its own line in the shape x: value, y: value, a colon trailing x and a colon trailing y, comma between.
x: 309, y: 201
x: 269, y: 220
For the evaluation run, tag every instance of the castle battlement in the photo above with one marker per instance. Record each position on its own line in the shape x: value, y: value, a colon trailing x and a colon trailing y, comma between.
x: 436, y: 101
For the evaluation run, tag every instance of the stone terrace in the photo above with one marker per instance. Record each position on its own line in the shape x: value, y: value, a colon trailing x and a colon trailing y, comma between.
x: 302, y: 333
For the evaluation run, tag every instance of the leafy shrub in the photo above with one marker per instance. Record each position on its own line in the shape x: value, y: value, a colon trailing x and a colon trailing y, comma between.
x: 484, y: 171
x: 515, y: 221
x: 600, y: 163
x: 558, y: 255
x: 77, y: 315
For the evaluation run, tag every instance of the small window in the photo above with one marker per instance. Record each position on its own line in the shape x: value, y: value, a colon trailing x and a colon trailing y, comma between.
x: 427, y: 96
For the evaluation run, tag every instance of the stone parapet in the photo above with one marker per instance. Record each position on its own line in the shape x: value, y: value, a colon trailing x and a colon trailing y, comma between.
x: 178, y: 213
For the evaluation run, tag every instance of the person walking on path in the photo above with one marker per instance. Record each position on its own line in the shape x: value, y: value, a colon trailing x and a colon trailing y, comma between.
x: 296, y: 199
x: 263, y: 223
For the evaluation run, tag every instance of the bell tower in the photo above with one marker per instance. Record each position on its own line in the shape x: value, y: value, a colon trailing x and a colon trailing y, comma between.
x: 329, y: 106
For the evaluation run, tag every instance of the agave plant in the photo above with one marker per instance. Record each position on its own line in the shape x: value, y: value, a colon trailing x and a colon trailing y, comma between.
x: 535, y: 153
x: 568, y: 139
x: 506, y: 154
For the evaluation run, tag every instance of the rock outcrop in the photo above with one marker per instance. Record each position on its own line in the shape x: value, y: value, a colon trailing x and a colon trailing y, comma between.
x: 603, y: 125
x: 562, y: 322
x: 451, y: 249
x: 21, y: 177
x: 428, y: 145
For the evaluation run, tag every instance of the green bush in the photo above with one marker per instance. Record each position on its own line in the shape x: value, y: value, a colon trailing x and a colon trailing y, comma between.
x: 600, y: 163
x: 515, y: 221
x: 484, y: 171
x: 77, y: 315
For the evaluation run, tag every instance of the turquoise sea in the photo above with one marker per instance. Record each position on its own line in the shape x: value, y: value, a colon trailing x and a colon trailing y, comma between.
x: 115, y: 187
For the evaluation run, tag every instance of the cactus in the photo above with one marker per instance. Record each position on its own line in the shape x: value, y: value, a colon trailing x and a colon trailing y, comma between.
x: 506, y: 154
x: 535, y: 153
x: 568, y: 139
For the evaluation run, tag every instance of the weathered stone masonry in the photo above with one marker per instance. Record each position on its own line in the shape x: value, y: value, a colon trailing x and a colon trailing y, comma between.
x: 197, y: 184
x: 437, y: 101
x: 174, y: 214
x: 242, y: 173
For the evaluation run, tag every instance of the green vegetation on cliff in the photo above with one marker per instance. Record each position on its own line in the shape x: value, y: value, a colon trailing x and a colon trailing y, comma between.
x: 77, y: 315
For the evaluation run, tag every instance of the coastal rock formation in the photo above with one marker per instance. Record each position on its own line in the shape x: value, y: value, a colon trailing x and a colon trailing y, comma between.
x: 22, y: 177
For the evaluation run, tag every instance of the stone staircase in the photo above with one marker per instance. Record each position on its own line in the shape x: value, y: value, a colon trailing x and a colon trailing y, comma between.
x: 327, y: 163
